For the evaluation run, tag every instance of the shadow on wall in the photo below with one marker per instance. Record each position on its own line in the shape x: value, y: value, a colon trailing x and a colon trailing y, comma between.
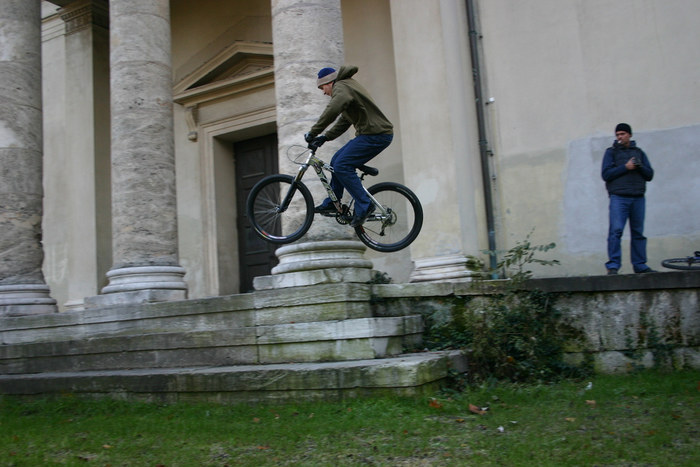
x: 672, y: 195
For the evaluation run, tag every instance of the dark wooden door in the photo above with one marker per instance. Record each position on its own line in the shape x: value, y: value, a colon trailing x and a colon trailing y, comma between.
x: 255, y: 158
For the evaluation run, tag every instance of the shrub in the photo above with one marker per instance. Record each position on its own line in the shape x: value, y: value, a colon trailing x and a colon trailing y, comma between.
x: 512, y: 334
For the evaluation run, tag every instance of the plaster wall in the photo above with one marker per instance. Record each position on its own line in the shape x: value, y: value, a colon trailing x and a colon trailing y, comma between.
x: 76, y: 224
x: 369, y: 45
x: 438, y: 129
x: 55, y: 230
x: 562, y: 75
x: 200, y: 31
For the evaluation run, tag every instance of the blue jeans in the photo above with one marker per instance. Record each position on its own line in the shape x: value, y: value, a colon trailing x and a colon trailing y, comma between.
x: 358, y: 151
x: 621, y: 209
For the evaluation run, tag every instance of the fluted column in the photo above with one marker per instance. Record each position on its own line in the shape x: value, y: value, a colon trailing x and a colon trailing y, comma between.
x: 308, y: 36
x: 22, y: 286
x: 144, y: 213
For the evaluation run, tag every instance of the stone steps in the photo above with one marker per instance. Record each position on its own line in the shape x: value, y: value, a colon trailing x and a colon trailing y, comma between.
x: 322, y: 341
x: 407, y: 375
x: 352, y: 339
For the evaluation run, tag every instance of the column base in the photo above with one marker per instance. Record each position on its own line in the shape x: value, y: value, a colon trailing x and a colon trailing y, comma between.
x: 26, y: 299
x: 74, y: 305
x: 313, y: 263
x: 141, y: 284
x: 441, y: 268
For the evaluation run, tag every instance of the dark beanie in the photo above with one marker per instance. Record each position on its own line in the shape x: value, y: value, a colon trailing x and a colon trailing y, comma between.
x: 326, y: 75
x: 623, y: 127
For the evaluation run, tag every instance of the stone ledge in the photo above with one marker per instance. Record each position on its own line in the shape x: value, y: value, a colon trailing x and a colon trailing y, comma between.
x: 618, y: 283
x: 405, y: 374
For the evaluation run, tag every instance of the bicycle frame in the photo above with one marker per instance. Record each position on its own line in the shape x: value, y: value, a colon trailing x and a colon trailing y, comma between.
x: 396, y: 219
x: 319, y: 167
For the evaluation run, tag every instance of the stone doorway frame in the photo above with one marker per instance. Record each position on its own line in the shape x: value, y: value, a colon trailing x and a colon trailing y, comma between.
x: 217, y: 161
x: 218, y: 111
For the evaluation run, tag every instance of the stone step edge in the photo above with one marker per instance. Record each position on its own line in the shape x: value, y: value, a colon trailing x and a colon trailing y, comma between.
x: 246, y: 382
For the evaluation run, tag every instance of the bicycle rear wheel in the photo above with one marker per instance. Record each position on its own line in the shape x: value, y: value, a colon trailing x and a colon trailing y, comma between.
x: 274, y: 222
x: 689, y: 263
x: 399, y: 226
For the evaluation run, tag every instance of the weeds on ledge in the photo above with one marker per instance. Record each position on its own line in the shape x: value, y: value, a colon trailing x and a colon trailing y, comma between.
x: 512, y: 334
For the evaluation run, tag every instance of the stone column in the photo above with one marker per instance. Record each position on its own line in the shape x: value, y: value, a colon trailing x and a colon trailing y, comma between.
x: 144, y: 218
x: 308, y: 36
x: 23, y: 289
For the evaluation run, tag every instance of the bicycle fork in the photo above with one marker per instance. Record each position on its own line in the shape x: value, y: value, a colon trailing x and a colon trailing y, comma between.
x: 286, y: 201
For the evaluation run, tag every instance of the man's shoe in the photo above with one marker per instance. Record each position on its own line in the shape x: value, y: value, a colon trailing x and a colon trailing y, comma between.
x: 358, y: 220
x: 612, y: 272
x: 328, y: 210
x: 646, y: 271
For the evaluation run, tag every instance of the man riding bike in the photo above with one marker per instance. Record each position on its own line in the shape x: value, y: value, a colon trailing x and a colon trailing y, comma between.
x: 350, y: 104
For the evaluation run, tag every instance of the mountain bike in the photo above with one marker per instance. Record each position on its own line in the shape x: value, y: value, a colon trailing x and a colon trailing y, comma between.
x: 280, y: 207
x: 689, y: 263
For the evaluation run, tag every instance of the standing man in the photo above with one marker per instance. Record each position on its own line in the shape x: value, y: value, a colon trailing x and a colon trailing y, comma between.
x: 626, y: 169
x: 350, y: 104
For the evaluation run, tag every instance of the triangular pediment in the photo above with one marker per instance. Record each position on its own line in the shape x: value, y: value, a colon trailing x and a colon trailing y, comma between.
x: 239, y: 62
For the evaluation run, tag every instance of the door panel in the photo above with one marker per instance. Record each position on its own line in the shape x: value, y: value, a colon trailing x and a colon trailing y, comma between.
x: 255, y: 158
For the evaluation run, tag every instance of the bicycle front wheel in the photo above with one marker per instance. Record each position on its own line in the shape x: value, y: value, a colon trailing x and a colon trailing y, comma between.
x: 399, y: 224
x: 685, y: 264
x: 280, y: 210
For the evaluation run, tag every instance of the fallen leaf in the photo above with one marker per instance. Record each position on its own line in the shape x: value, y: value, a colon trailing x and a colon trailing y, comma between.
x: 476, y: 410
x: 591, y: 403
x: 107, y: 446
x: 256, y: 420
x: 434, y: 403
x: 570, y: 419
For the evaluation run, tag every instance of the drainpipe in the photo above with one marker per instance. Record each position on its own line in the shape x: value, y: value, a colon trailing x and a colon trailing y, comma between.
x: 483, y: 143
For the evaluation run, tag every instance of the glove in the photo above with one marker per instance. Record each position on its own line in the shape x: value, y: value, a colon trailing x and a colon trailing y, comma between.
x: 308, y: 137
x: 317, y: 142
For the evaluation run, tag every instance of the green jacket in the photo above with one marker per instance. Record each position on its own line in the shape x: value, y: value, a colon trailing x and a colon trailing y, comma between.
x: 351, y: 104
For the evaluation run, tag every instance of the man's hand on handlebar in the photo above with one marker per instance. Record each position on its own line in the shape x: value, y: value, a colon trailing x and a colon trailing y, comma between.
x: 315, y: 142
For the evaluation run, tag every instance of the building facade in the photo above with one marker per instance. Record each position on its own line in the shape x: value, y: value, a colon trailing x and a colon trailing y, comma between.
x: 145, y: 123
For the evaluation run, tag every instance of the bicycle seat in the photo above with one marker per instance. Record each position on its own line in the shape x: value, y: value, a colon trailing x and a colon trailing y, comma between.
x: 368, y: 170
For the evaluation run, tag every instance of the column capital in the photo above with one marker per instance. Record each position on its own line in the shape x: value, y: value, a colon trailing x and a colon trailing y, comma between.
x: 81, y: 15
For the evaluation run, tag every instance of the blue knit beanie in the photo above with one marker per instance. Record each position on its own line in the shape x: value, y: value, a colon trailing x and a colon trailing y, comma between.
x: 326, y: 75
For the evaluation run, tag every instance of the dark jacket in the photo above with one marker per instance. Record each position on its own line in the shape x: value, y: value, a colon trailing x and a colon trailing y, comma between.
x: 619, y: 180
x: 351, y: 104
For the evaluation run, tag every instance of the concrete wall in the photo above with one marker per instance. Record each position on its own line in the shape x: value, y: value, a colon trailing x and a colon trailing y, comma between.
x: 77, y: 206
x: 369, y: 45
x: 626, y: 322
x: 562, y: 75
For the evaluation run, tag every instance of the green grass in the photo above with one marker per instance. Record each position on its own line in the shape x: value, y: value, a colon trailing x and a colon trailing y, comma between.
x: 646, y: 418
